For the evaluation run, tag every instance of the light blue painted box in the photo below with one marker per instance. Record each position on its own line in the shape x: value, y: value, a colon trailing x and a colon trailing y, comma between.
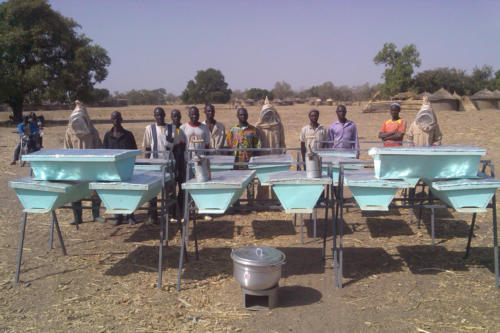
x: 296, y: 192
x: 465, y: 195
x: 339, y: 152
x: 125, y: 197
x: 153, y: 164
x: 82, y: 164
x: 222, y: 190
x: 219, y: 163
x: 267, y: 164
x: 414, y: 163
x: 40, y: 196
x: 370, y: 192
x: 335, y: 161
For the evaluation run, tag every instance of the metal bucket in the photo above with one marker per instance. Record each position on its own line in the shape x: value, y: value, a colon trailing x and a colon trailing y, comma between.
x: 313, y: 165
x: 202, y: 168
x: 257, y: 268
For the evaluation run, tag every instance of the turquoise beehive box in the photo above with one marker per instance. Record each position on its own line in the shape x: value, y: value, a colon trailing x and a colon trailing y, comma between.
x: 334, y: 161
x: 267, y: 164
x: 222, y: 190
x: 82, y: 164
x: 296, y: 192
x: 153, y: 164
x: 125, y: 197
x: 413, y: 163
x: 465, y: 195
x: 219, y: 163
x: 337, y: 152
x: 370, y: 192
x: 40, y: 196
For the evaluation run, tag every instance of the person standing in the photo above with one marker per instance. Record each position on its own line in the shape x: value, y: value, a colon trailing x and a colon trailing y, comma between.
x: 393, y: 130
x: 81, y: 134
x: 343, y: 132
x: 178, y: 152
x: 312, y: 135
x: 243, y: 135
x: 157, y: 142
x: 119, y: 138
x: 217, y: 129
x: 27, y: 130
x: 424, y: 131
x: 197, y: 134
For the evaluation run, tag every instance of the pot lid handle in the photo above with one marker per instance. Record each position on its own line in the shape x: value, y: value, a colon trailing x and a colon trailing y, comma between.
x: 258, y: 251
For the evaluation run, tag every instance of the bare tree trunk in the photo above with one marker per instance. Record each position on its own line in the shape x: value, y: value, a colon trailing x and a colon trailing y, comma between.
x: 17, y: 109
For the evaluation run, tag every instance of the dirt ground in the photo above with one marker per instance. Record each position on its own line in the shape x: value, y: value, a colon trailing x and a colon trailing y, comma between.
x: 394, y: 280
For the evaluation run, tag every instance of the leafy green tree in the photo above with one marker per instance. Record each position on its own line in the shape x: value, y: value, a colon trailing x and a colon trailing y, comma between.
x: 208, y: 86
x: 145, y: 97
x: 494, y: 83
x: 42, y: 54
x: 282, y: 90
x: 399, y: 67
x: 451, y: 79
x: 258, y: 94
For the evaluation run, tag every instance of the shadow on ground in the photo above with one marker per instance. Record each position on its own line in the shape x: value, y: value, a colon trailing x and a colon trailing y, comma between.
x: 271, y: 228
x: 360, y: 263
x: 291, y: 296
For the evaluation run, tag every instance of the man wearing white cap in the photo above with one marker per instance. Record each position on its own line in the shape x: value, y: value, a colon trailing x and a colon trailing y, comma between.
x: 393, y: 130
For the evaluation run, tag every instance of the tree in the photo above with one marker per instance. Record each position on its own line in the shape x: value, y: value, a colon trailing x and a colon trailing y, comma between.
x: 42, y: 54
x: 209, y: 86
x: 282, y: 90
x: 258, y: 94
x: 399, y: 67
x: 451, y: 79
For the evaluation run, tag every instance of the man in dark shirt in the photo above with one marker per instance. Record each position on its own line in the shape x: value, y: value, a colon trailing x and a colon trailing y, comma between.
x: 119, y: 138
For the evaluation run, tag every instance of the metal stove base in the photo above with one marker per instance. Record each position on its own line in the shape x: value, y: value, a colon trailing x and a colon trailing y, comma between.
x: 257, y: 300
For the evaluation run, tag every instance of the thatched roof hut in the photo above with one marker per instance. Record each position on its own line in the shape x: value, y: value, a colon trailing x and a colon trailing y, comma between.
x: 484, y: 99
x: 329, y: 101
x: 425, y: 93
x: 496, y: 93
x: 443, y: 100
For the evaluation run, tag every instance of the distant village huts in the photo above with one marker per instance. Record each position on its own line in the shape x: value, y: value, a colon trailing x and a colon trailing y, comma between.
x: 496, y: 93
x: 484, y: 99
x: 443, y: 100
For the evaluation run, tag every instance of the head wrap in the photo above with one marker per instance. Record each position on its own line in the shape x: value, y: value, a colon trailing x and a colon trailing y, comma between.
x: 396, y: 104
x: 426, y: 119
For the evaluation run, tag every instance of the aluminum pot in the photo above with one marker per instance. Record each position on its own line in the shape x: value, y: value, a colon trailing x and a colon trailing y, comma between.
x: 313, y: 165
x: 257, y: 268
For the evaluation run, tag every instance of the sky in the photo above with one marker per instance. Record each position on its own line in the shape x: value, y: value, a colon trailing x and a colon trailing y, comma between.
x: 254, y: 43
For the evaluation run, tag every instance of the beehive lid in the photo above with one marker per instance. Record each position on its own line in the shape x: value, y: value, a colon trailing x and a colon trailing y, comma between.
x: 366, y: 178
x: 463, y: 184
x: 81, y: 155
x: 140, y: 180
x: 430, y: 150
x: 29, y: 183
x: 270, y: 160
x: 296, y: 177
x: 230, y: 179
x: 336, y: 160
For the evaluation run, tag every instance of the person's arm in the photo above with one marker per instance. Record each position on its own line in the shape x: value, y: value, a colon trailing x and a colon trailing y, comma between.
x: 282, y: 137
x: 356, y: 141
x: 105, y: 141
x: 20, y: 129
x: 303, y: 150
x: 146, y: 144
x: 133, y: 144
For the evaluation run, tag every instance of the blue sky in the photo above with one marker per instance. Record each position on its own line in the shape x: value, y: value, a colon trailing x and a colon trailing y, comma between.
x: 161, y: 44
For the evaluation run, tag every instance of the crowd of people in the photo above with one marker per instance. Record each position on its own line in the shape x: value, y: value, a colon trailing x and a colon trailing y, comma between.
x: 165, y: 140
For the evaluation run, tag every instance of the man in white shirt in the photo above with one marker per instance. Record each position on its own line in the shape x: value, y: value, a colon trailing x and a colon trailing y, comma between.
x: 312, y: 134
x: 217, y: 129
x: 158, y: 142
x: 197, y: 134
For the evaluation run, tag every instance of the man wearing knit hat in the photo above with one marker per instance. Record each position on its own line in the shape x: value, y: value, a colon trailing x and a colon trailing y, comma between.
x: 393, y: 130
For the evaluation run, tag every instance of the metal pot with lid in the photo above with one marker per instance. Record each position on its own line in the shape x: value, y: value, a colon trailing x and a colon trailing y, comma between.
x: 257, y: 267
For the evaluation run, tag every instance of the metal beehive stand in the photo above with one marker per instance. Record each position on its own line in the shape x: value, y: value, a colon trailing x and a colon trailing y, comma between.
x: 168, y: 198
x: 428, y: 202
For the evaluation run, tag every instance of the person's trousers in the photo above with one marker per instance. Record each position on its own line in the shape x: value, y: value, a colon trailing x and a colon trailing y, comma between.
x: 77, y: 209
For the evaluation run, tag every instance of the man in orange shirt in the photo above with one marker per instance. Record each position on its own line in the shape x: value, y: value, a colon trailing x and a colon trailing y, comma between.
x: 393, y: 129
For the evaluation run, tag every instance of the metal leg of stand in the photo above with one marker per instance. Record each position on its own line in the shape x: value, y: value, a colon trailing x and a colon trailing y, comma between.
x: 315, y: 217
x: 51, y: 233
x: 432, y: 226
x: 495, y: 240
x: 20, y: 246
x: 471, y: 233
x: 181, y: 257
x: 294, y: 220
x: 325, y: 226
x: 341, y: 222
x: 59, y: 234
x: 335, y: 248
x: 196, y: 253
x: 160, y: 255
x: 301, y: 231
